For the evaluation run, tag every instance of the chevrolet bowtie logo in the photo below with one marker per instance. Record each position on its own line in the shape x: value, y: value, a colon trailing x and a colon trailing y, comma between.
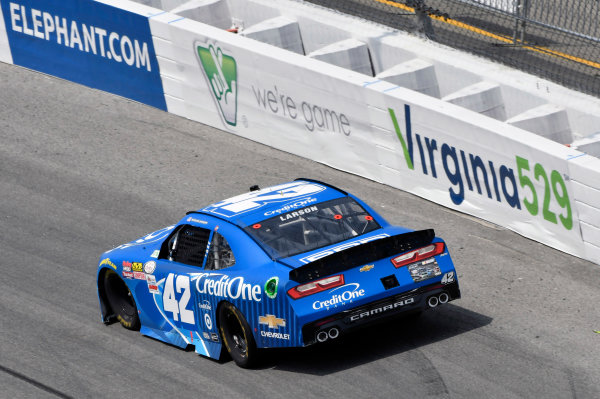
x: 271, y: 321
x: 366, y: 268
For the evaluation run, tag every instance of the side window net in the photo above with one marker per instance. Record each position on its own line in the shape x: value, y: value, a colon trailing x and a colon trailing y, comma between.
x: 220, y: 255
x: 188, y: 245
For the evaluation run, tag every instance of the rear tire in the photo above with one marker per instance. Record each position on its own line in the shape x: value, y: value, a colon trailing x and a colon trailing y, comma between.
x: 121, y: 301
x: 237, y: 336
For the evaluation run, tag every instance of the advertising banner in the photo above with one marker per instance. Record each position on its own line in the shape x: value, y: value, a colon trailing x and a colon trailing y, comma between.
x: 86, y: 42
x: 482, y: 167
x: 253, y: 90
x: 407, y: 140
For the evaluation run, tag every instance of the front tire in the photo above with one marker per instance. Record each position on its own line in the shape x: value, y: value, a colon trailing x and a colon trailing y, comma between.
x: 121, y: 301
x: 237, y: 336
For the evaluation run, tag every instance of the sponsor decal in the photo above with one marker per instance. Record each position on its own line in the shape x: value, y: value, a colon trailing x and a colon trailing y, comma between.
x: 126, y: 266
x: 137, y: 266
x: 191, y: 219
x: 352, y: 292
x: 220, y: 71
x: 139, y: 275
x: 271, y: 287
x: 108, y: 262
x: 271, y: 320
x: 298, y: 213
x: 366, y: 268
x: 330, y: 251
x: 149, y: 267
x: 381, y: 309
x: 292, y: 206
x: 204, y: 305
x: 226, y: 287
x: 155, y: 253
x: 271, y: 334
x: 424, y: 270
x: 500, y: 184
x: 256, y: 199
x: 214, y: 337
x: 208, y: 321
x: 127, y: 274
x: 152, y: 286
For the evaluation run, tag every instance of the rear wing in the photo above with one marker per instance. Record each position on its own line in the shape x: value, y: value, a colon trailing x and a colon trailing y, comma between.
x: 362, y: 254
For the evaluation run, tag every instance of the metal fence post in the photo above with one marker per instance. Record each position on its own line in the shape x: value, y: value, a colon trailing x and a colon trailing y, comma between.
x: 523, y: 12
x: 517, y: 12
x: 423, y: 21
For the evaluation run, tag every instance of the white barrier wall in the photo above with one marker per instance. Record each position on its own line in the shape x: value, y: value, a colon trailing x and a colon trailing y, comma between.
x: 366, y: 126
x: 5, y: 55
x: 585, y: 181
x: 355, y: 122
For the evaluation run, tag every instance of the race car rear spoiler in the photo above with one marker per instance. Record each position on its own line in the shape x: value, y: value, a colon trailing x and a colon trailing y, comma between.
x: 362, y: 254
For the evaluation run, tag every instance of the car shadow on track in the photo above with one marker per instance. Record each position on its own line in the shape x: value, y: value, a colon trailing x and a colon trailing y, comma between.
x: 376, y: 342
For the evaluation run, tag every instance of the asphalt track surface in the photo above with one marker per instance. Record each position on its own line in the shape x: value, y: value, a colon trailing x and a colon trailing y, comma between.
x: 83, y: 171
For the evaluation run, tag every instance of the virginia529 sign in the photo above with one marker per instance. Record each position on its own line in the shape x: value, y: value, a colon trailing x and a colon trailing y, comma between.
x: 519, y: 183
x: 86, y: 42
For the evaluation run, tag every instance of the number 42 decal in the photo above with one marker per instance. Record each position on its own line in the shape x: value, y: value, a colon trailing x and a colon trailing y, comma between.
x: 170, y: 303
x: 448, y: 278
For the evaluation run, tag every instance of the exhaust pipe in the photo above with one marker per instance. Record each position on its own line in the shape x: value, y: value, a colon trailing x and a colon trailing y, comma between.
x: 334, y: 333
x: 444, y: 297
x: 432, y: 301
x: 322, y: 336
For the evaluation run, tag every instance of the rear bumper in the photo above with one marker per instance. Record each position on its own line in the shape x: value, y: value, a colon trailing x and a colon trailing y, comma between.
x: 416, y: 300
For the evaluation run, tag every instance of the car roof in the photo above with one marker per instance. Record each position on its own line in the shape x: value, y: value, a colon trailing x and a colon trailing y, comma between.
x: 255, y: 206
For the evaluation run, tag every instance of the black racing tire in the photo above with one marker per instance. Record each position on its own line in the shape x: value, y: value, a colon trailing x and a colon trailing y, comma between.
x: 237, y: 336
x: 121, y: 301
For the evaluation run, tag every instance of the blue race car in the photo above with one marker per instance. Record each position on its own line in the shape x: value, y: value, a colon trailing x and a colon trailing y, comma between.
x: 286, y: 266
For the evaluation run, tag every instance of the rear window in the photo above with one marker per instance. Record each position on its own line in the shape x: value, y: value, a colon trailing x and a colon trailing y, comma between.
x: 313, y: 227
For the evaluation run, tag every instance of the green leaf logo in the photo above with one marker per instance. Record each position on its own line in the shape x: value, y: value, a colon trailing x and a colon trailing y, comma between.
x: 220, y: 71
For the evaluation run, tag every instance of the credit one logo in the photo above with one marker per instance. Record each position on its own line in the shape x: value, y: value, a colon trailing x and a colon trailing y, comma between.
x: 227, y: 288
x: 352, y: 292
x: 289, y: 207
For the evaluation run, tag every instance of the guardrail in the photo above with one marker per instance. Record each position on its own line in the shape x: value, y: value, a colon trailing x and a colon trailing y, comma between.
x: 354, y: 122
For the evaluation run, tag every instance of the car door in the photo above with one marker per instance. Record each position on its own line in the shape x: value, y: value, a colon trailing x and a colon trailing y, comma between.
x: 217, y: 282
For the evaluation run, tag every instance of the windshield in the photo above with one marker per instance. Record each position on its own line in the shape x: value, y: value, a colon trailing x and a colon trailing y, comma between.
x: 312, y: 227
